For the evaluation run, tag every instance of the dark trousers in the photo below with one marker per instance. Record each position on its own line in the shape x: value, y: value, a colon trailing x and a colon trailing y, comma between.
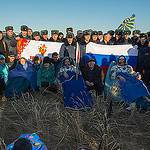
x: 2, y: 86
x: 51, y: 87
x: 97, y: 87
x: 146, y: 77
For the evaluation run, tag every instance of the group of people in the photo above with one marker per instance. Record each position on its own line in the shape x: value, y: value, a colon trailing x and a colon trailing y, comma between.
x: 8, y: 40
x: 46, y: 73
x: 19, y: 76
x: 60, y: 72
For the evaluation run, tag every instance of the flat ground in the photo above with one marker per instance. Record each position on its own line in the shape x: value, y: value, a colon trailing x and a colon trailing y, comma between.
x: 64, y: 129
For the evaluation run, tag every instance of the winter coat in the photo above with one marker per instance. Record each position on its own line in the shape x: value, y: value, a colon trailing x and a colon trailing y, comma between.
x: 67, y: 50
x: 94, y: 75
x: 46, y: 75
x: 3, y: 48
x: 4, y: 72
x: 11, y: 43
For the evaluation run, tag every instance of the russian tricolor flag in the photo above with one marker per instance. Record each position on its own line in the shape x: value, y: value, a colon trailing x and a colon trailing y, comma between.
x: 105, y: 54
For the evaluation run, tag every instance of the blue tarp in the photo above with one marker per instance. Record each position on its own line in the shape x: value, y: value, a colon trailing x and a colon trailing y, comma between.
x: 76, y: 95
x: 20, y: 80
x: 35, y: 140
x: 132, y: 88
x: 129, y: 90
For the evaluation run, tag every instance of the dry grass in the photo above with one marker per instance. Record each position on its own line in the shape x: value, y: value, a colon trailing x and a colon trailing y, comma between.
x: 64, y: 129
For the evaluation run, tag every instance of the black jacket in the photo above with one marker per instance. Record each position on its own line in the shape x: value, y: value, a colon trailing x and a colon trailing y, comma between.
x: 3, y: 48
x: 118, y: 42
x: 127, y: 41
x: 52, y: 40
x: 94, y: 76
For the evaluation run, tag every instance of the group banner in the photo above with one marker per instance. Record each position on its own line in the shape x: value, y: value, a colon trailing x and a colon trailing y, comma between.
x: 105, y: 54
x: 30, y: 48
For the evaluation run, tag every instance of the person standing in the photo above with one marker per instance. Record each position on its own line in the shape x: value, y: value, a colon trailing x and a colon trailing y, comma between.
x: 136, y: 37
x: 68, y: 30
x: 30, y: 33
x: 107, y: 39
x: 24, y: 32
x: 10, y: 39
x: 68, y: 49
x: 44, y: 35
x: 126, y: 38
x: 85, y: 41
x: 94, y: 37
x: 142, y: 46
x: 86, y: 37
x: 146, y: 65
x: 79, y: 36
x: 148, y: 35
x: 36, y: 35
x: 100, y: 36
x: 54, y: 36
x: 61, y: 37
x: 3, y: 46
x: 143, y: 57
x: 118, y: 40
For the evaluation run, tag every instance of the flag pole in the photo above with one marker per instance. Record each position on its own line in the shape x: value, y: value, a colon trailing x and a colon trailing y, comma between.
x: 77, y: 60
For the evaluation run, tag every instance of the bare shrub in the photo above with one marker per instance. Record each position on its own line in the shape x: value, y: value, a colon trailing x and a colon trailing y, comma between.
x: 64, y: 129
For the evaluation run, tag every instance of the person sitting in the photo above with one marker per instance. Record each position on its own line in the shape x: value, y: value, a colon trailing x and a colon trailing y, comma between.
x: 76, y: 95
x: 3, y: 75
x: 21, y: 79
x: 93, y: 76
x: 121, y: 66
x: 56, y: 62
x: 36, y: 63
x: 46, y: 76
x: 36, y: 66
x: 67, y: 65
x: 133, y: 91
x: 12, y: 61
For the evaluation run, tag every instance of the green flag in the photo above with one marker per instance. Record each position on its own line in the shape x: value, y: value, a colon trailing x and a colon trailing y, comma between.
x: 127, y: 24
